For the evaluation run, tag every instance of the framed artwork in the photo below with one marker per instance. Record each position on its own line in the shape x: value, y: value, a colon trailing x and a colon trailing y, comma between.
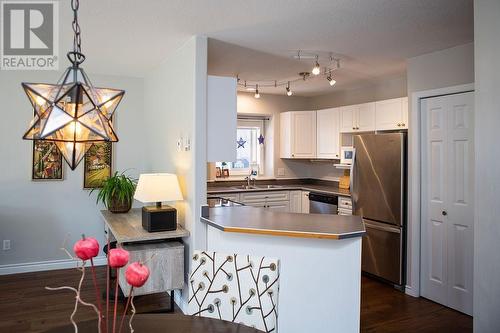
x: 218, y: 172
x: 225, y: 173
x: 47, y: 161
x: 97, y: 164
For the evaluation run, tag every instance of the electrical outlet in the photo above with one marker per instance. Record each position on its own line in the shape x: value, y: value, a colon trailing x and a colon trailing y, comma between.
x: 6, y: 244
x: 281, y: 172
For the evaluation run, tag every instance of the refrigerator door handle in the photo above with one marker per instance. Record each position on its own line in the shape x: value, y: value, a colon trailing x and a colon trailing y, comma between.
x: 351, y: 176
x: 378, y: 226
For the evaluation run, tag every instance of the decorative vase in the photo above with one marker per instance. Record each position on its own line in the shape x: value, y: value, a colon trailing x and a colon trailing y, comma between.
x: 117, y: 206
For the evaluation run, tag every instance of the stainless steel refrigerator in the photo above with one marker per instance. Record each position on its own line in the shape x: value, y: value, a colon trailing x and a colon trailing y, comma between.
x: 379, y: 196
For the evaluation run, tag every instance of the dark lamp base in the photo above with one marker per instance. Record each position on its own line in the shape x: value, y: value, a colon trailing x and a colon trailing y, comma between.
x: 156, y: 218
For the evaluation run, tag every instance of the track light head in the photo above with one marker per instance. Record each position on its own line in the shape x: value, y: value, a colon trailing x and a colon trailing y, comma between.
x: 316, y: 70
x: 288, y: 91
x: 331, y: 80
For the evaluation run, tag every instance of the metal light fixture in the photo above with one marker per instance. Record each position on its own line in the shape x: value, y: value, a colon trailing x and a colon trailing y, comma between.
x: 316, y: 70
x: 257, y: 95
x: 288, y: 91
x: 331, y: 80
x: 72, y: 113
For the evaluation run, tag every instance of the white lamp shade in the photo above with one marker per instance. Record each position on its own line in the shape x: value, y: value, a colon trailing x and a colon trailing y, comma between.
x: 158, y: 187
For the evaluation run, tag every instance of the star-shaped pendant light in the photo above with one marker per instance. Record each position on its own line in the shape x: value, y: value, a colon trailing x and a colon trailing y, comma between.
x: 72, y: 113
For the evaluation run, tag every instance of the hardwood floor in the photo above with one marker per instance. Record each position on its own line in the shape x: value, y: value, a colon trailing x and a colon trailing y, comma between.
x: 25, y: 306
x: 384, y: 309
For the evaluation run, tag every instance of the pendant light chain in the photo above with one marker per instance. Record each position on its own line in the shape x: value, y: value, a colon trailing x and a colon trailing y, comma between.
x: 76, y: 57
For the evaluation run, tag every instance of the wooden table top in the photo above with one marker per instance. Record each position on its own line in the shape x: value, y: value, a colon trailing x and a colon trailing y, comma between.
x: 166, y: 323
x: 127, y: 227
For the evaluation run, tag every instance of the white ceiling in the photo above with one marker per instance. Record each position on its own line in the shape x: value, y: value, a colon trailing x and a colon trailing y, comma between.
x: 255, y: 38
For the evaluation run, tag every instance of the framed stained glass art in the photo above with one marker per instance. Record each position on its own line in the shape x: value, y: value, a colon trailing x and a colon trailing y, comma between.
x: 47, y: 161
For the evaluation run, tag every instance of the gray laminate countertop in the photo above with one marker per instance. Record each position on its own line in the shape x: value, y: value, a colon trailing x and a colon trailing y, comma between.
x: 302, y: 187
x: 253, y: 220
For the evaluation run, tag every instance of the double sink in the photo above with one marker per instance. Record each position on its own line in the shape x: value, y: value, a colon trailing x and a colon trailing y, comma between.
x: 248, y: 187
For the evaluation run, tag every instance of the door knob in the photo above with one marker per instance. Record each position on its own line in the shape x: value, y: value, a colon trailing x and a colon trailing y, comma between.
x: 444, y: 213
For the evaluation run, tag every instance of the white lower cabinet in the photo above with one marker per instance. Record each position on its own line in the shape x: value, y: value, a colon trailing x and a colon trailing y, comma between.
x: 305, y: 202
x: 295, y: 201
x: 227, y: 196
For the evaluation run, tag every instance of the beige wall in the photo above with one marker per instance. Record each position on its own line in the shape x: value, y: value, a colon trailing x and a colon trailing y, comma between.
x: 393, y: 88
x: 487, y: 210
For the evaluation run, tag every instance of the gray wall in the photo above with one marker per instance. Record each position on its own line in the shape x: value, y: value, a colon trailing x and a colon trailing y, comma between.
x: 387, y: 89
x: 445, y: 68
x: 440, y: 69
x: 175, y: 107
x: 36, y: 216
x: 487, y: 210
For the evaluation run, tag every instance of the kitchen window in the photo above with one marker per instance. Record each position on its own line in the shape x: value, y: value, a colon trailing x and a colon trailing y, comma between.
x: 249, y: 153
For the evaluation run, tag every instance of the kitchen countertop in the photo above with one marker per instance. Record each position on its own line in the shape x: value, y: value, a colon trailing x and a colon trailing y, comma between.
x: 253, y: 220
x: 303, y: 187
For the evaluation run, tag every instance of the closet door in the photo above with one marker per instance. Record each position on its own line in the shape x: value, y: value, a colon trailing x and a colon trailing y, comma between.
x: 447, y: 200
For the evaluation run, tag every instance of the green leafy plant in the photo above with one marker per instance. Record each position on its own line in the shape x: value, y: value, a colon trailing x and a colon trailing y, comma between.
x: 117, y: 192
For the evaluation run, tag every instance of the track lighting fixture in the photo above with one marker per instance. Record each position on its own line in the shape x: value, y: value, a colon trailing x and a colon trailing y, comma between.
x: 316, y: 70
x: 325, y: 70
x: 331, y: 80
x: 288, y: 91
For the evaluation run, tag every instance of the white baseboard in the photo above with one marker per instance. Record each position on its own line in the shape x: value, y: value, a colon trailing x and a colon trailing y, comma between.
x: 411, y: 291
x: 44, y: 266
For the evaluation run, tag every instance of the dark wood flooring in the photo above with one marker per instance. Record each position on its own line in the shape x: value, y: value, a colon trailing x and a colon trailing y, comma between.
x: 25, y: 306
x: 384, y: 309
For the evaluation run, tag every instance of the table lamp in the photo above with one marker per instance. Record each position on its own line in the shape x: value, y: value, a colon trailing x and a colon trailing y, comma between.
x: 158, y: 187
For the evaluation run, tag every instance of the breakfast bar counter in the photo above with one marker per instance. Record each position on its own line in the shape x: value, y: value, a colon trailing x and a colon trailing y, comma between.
x: 252, y: 220
x: 319, y: 261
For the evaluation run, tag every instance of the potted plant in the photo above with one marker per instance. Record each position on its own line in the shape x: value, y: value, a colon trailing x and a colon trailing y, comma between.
x: 117, y: 193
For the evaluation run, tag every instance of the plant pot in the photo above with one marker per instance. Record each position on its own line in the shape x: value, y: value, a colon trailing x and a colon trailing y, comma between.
x: 116, y: 206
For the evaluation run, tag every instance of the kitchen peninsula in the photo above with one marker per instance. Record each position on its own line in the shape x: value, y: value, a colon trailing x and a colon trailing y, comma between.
x: 320, y: 261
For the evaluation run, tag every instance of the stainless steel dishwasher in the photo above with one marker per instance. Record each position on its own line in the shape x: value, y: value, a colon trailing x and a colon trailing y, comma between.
x: 323, y: 203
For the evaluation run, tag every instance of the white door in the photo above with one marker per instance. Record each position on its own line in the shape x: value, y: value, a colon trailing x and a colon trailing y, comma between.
x: 304, y: 134
x: 447, y: 200
x: 366, y: 117
x: 328, y: 135
x: 347, y: 114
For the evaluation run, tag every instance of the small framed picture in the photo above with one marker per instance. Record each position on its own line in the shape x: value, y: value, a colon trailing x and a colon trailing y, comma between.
x: 346, y: 154
x: 225, y: 173
x: 218, y: 172
x: 47, y: 161
x: 97, y: 164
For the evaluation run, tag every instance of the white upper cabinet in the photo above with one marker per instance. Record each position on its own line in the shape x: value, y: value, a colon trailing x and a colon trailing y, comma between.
x: 298, y: 134
x: 221, y: 118
x: 391, y: 114
x: 347, y: 118
x: 357, y: 118
x: 328, y: 133
x: 366, y: 117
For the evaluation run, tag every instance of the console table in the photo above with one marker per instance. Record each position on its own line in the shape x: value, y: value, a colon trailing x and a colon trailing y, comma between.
x: 167, y: 266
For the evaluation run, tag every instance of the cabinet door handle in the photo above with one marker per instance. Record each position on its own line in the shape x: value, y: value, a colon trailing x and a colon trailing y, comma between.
x: 354, y: 128
x: 403, y: 124
x: 399, y: 124
x: 444, y: 213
